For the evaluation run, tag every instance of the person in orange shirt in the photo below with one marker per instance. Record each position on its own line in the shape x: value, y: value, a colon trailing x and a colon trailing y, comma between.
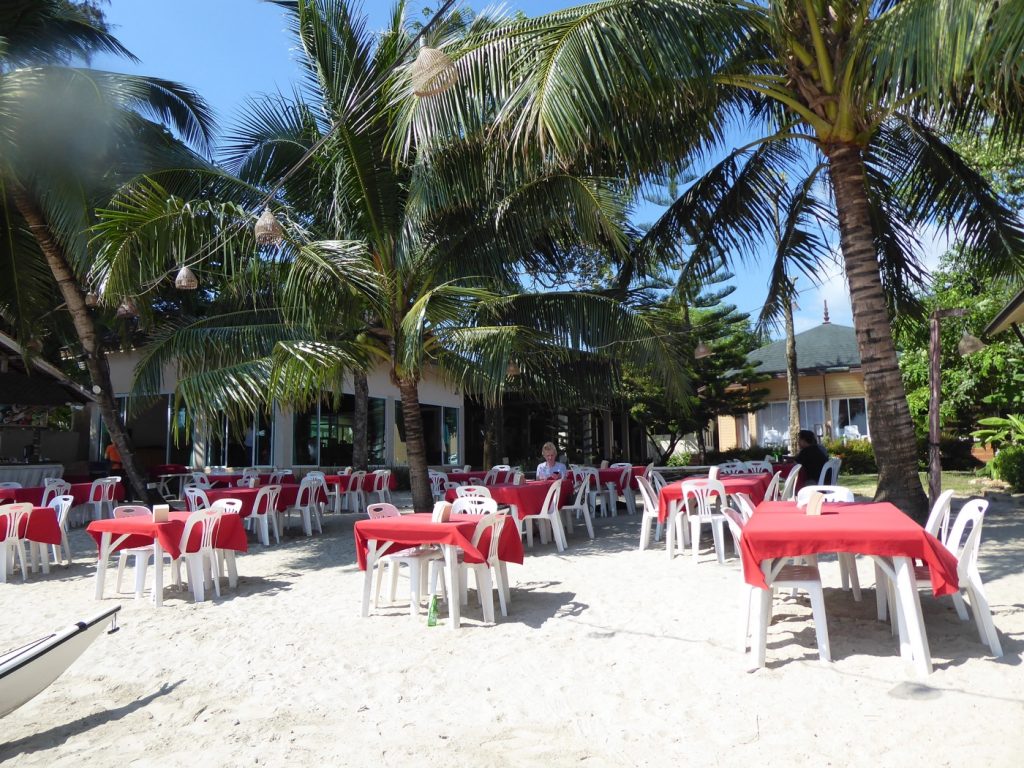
x: 113, y: 456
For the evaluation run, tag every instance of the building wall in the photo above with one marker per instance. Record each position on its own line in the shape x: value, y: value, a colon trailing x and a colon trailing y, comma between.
x: 432, y: 389
x: 825, y: 387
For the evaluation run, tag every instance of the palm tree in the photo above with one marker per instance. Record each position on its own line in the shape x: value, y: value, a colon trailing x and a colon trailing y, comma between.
x: 859, y: 91
x: 414, y: 261
x: 108, y: 127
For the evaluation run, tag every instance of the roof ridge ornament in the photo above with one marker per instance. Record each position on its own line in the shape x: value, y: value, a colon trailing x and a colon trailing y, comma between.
x: 826, y: 320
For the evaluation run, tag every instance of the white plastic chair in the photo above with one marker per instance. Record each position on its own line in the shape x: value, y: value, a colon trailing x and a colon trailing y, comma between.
x: 481, y: 571
x: 228, y: 506
x: 782, y: 576
x: 595, y: 492
x: 491, y: 477
x: 698, y: 506
x: 278, y: 475
x: 202, y: 562
x: 264, y: 514
x: 474, y: 505
x: 789, y: 489
x: 9, y: 485
x: 62, y: 507
x: 578, y: 507
x: 847, y: 560
x: 744, y: 506
x: 549, y: 511
x: 54, y: 486
x: 938, y: 518
x: 415, y: 559
x: 649, y: 497
x: 830, y: 472
x: 437, y: 484
x: 772, y: 492
x: 382, y: 484
x: 472, y: 490
x: 307, y: 506
x: 201, y: 479
x: 195, y: 498
x: 142, y: 554
x: 627, y: 490
x: 11, y: 517
x: 354, y: 499
x: 732, y: 468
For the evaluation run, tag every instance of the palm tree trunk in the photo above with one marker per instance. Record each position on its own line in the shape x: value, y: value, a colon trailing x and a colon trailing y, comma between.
x: 492, y: 415
x: 95, y: 357
x: 792, y: 378
x: 892, y: 432
x: 422, y: 499
x: 360, y: 417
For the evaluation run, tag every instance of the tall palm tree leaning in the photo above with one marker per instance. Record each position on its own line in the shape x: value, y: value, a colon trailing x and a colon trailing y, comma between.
x: 861, y: 89
x: 68, y: 135
x: 412, y: 261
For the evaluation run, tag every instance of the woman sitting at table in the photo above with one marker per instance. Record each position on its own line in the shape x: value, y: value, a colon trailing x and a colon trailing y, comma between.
x: 551, y: 468
x: 811, y: 458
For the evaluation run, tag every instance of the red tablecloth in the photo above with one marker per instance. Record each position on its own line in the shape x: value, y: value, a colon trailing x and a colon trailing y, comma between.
x: 344, y: 481
x: 781, y: 529
x: 245, y: 495
x: 611, y: 475
x: 412, y: 530
x: 466, y: 477
x: 752, y: 485
x: 34, y: 495
x: 40, y: 525
x: 785, y: 467
x: 528, y: 498
x: 167, y: 469
x: 142, y: 531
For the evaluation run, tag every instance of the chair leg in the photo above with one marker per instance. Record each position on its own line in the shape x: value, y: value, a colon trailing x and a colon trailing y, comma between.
x: 590, y: 523
x: 983, y: 615
x: 820, y: 624
x: 501, y: 582
x: 718, y: 534
x: 645, y: 531
x: 485, y: 591
x: 848, y: 574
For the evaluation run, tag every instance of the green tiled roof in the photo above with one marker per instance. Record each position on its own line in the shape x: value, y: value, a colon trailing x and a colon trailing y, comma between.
x: 827, y: 346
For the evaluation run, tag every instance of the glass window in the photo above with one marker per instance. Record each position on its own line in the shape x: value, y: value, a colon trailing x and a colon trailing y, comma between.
x: 849, y: 417
x: 773, y: 421
x: 323, y: 436
x: 440, y: 434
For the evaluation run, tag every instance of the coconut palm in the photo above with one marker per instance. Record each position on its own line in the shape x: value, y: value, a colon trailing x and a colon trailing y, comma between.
x: 860, y: 91
x: 414, y: 261
x: 108, y: 127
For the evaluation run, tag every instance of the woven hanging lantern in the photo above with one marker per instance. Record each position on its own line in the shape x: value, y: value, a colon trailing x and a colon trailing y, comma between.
x: 127, y: 308
x: 268, y: 230
x: 432, y: 72
x: 702, y: 350
x: 186, y: 280
x: 91, y: 299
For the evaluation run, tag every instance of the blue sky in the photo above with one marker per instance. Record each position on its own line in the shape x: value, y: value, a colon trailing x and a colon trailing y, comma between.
x: 228, y: 50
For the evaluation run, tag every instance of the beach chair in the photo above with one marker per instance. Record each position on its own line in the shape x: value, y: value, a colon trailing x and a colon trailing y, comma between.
x: 382, y: 484
x: 772, y: 491
x: 62, y: 507
x: 264, y: 514
x: 578, y: 506
x: 789, y: 489
x: 307, y: 506
x: 649, y: 497
x: 12, y: 544
x: 782, y: 576
x: 415, y: 559
x: 54, y: 486
x: 195, y: 498
x: 201, y: 559
x: 549, y: 513
x: 472, y: 490
x: 938, y: 518
x: 847, y: 560
x: 482, y: 572
x: 142, y: 555
x: 699, y: 506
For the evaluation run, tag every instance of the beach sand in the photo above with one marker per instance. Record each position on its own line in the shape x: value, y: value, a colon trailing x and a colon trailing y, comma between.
x: 609, y: 657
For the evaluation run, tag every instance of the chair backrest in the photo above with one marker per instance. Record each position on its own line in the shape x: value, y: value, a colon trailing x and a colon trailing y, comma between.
x: 474, y: 505
x: 196, y: 498
x: 492, y: 522
x: 491, y: 477
x: 759, y: 466
x: 620, y: 464
x: 201, y: 479
x: 10, y: 485
x: 437, y: 481
x: 627, y: 474
x: 713, y: 473
x: 109, y: 486
x: 472, y: 490
x: 604, y: 464
x: 789, y: 489
x: 251, y: 472
x: 278, y: 475
x: 830, y: 472
x: 307, y: 487
x: 550, y: 505
x: 589, y: 477
x: 772, y: 492
x: 648, y: 495
x: 62, y: 506
x: 743, y: 505
x: 132, y: 510
x: 12, y: 515
x: 517, y: 478
x: 732, y: 468
x: 266, y: 499
x: 830, y: 492
x: 648, y: 470
x: 448, y: 485
x: 381, y: 479
x: 938, y: 518
x: 502, y: 467
x: 467, y: 468
x: 966, y: 548
x: 579, y: 483
x: 657, y: 480
x: 355, y: 480
x: 703, y: 492
x: 54, y: 487
x: 207, y: 521
x: 736, y: 523
x: 231, y: 506
x: 249, y: 481
x: 96, y: 491
x: 383, y: 509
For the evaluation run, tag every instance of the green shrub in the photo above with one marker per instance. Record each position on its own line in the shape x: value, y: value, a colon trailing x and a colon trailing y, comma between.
x: 954, y: 453
x: 1008, y: 466
x: 858, y: 456
x: 679, y: 459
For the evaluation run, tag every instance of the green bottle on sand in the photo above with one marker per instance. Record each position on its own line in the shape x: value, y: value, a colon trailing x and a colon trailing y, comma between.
x: 432, y: 612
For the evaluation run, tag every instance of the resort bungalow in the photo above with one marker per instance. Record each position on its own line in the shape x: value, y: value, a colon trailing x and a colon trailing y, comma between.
x: 831, y: 386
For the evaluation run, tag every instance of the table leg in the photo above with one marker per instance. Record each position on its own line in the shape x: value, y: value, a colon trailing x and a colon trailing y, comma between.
x: 229, y: 558
x: 371, y: 566
x: 910, y: 605
x: 762, y: 610
x: 101, y: 565
x: 451, y: 557
x: 44, y: 556
x: 158, y: 573
x: 670, y: 530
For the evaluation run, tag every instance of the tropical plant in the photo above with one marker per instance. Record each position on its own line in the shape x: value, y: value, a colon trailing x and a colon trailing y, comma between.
x: 1001, y: 430
x: 1008, y: 466
x: 414, y: 261
x: 856, y: 94
x: 109, y: 127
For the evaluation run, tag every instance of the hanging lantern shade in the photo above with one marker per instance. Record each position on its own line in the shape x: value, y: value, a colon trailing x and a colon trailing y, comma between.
x: 432, y: 72
x: 702, y: 350
x: 127, y: 309
x: 186, y: 280
x: 91, y: 299
x: 512, y: 369
x: 970, y: 344
x: 268, y: 229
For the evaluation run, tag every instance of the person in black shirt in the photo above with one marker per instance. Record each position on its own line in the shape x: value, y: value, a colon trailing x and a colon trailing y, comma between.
x: 811, y: 458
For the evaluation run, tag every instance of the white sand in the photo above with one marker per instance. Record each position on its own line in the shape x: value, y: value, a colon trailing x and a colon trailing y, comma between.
x: 609, y: 657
